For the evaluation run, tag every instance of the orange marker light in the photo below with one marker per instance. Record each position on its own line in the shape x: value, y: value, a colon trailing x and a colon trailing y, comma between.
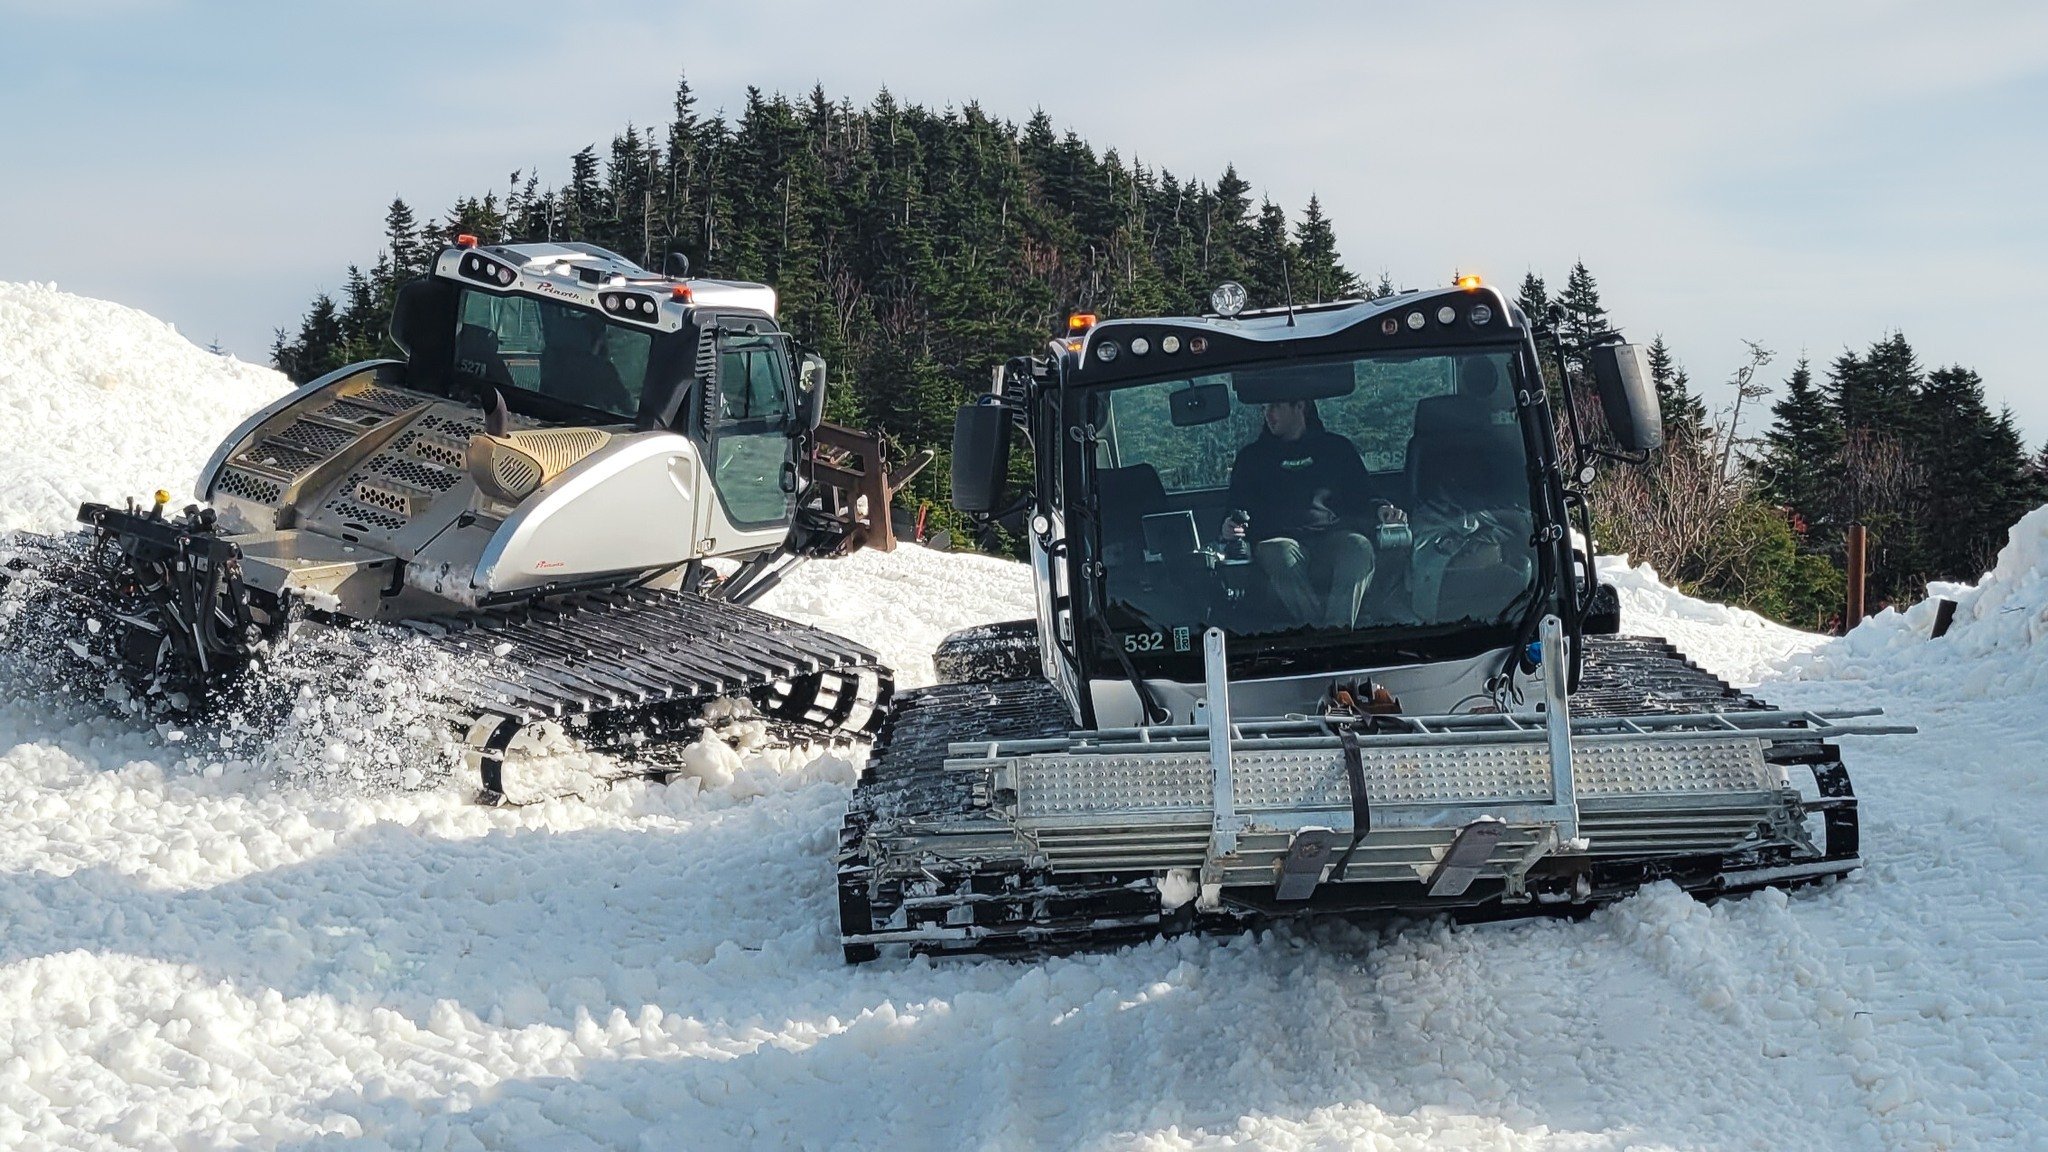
x: 465, y: 241
x: 681, y: 292
x: 1074, y: 346
x: 1080, y: 321
x: 1468, y: 282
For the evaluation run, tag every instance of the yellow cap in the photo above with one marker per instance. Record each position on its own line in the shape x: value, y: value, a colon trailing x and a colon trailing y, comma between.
x: 163, y: 496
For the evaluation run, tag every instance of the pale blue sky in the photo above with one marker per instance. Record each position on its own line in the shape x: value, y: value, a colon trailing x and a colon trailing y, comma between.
x: 1810, y: 175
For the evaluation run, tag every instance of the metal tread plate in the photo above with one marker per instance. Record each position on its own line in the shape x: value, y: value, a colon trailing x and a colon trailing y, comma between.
x: 1075, y: 784
x: 598, y: 651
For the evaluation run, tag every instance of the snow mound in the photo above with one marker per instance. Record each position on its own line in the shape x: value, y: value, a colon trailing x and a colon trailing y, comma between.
x: 102, y: 402
x: 902, y: 603
x: 1733, y: 643
x: 1996, y: 645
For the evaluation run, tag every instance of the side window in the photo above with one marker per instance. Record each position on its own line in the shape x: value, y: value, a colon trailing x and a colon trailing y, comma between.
x: 750, y: 445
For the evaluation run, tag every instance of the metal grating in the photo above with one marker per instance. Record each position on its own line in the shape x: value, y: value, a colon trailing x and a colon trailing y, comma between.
x: 349, y: 412
x: 444, y: 451
x: 282, y: 456
x: 235, y: 482
x: 1074, y: 784
x: 454, y: 427
x: 413, y: 473
x: 319, y: 438
x: 364, y: 516
x: 388, y: 399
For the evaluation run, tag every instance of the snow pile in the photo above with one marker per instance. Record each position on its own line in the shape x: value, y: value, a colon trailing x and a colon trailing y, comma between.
x: 1996, y: 644
x: 902, y: 603
x: 1745, y: 647
x: 199, y: 951
x: 101, y: 402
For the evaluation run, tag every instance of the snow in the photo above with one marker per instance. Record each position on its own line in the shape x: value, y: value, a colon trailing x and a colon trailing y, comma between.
x: 78, y: 376
x: 204, y: 949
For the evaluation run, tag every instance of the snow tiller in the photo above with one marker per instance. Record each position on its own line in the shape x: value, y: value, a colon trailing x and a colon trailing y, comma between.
x: 1315, y: 633
x: 572, y: 487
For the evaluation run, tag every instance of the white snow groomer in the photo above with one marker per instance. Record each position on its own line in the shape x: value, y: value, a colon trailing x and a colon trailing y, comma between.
x: 540, y: 490
x: 1314, y: 634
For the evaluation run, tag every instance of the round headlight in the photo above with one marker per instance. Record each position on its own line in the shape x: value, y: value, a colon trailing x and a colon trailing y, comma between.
x: 1228, y: 298
x: 1446, y: 314
x: 1106, y: 351
x: 1390, y: 326
x: 504, y: 275
x: 1416, y: 320
x: 1481, y: 314
x: 1169, y: 344
x: 1140, y: 345
x: 1198, y: 344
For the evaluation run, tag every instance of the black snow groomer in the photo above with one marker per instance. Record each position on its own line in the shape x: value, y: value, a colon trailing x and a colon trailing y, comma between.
x: 1315, y: 633
x: 572, y: 486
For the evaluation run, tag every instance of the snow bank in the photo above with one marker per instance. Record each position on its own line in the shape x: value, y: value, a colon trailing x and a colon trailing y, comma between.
x: 1734, y: 643
x: 903, y: 603
x: 1996, y: 645
x: 101, y: 402
x: 200, y: 951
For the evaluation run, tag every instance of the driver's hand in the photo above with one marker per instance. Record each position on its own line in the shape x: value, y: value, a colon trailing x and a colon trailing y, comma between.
x: 1233, y: 529
x: 1320, y: 515
x: 1392, y: 515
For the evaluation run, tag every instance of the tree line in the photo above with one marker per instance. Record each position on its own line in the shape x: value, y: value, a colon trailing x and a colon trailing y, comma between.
x: 918, y: 249
x: 1761, y: 519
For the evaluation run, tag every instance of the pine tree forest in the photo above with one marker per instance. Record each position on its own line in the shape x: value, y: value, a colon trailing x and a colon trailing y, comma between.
x: 917, y: 249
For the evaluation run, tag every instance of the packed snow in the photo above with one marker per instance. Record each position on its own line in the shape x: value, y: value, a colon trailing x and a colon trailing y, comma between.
x: 205, y: 951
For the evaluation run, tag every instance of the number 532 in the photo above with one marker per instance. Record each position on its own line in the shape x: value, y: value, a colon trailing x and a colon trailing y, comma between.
x: 1144, y: 641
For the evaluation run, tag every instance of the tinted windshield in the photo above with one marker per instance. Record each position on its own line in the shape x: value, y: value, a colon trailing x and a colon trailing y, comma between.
x: 565, y: 353
x: 1379, y: 500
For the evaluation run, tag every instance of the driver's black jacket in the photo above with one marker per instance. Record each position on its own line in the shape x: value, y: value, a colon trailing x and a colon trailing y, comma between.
x: 1277, y: 480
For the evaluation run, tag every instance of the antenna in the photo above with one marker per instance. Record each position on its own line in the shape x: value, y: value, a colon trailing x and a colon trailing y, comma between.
x: 1287, y: 287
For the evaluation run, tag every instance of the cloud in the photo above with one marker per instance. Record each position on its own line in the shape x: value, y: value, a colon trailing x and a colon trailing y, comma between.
x: 1807, y: 174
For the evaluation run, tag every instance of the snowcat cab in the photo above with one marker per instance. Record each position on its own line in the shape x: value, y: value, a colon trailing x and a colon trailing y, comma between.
x: 1313, y: 633
x: 580, y: 473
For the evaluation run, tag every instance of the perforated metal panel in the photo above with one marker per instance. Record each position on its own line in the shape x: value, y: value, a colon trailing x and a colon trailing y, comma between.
x: 1069, y: 784
x: 321, y: 438
x: 235, y: 482
x: 388, y: 399
x: 348, y: 412
x: 280, y: 456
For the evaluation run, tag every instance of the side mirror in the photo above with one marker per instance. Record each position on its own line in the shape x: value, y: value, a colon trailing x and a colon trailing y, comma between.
x: 1628, y: 396
x: 423, y: 327
x: 810, y: 392
x: 981, y: 457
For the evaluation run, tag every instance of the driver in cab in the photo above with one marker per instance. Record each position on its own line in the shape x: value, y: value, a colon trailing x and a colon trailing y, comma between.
x: 1301, y: 495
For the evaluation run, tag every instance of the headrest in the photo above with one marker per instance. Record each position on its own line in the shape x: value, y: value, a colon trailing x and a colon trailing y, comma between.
x: 1477, y: 376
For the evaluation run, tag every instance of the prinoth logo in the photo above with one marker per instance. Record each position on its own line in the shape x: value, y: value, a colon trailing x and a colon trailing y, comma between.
x: 544, y: 565
x: 1304, y: 462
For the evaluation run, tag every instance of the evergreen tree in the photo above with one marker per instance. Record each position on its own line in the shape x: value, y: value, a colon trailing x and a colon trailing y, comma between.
x: 1320, y: 276
x: 1685, y: 417
x: 1801, y: 465
x: 1975, y: 469
x: 409, y: 251
x: 1534, y: 299
x: 1585, y: 319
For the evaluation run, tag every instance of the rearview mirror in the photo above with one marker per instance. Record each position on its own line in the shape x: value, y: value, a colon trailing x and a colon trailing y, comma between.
x: 1198, y: 404
x: 810, y: 385
x: 1628, y: 396
x: 981, y: 457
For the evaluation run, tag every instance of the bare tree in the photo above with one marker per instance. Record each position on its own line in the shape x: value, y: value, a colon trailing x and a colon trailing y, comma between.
x: 1746, y: 388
